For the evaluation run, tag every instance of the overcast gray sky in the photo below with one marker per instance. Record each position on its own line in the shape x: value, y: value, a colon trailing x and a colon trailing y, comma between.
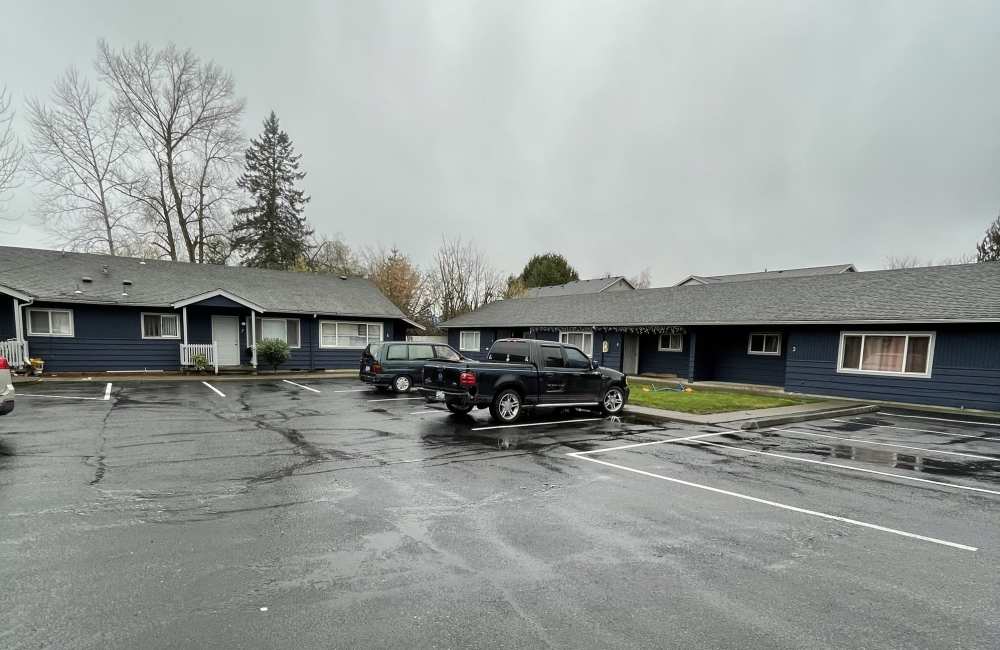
x: 690, y: 137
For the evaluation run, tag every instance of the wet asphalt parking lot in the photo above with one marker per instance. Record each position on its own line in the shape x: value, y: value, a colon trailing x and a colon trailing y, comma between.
x: 263, y: 513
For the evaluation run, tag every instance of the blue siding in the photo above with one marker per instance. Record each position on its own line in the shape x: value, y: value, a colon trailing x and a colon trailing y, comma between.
x: 613, y: 357
x: 486, y: 338
x: 652, y: 360
x: 965, y: 372
x: 7, y: 328
x: 347, y: 358
x: 106, y: 338
x: 727, y: 348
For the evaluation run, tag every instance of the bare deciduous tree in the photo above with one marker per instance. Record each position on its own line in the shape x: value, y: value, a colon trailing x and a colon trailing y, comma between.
x: 77, y: 155
x: 401, y: 281
x: 332, y: 255
x: 185, y: 113
x: 642, y: 281
x: 11, y: 151
x: 462, y: 280
x: 913, y: 262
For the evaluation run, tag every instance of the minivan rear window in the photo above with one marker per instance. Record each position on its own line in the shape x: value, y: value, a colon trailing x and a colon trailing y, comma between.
x: 509, y: 352
x: 421, y: 352
x: 372, y: 349
x: 446, y: 353
x: 396, y: 353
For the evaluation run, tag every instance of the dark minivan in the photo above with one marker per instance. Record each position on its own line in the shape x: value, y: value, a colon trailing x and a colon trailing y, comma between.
x: 400, y: 365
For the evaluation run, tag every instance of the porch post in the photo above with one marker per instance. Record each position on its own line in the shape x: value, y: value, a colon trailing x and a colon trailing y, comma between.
x: 18, y: 333
x: 184, y: 317
x: 692, y: 351
x: 253, y: 338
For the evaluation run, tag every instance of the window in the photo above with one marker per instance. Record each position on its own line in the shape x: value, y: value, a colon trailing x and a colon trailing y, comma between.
x: 422, y: 352
x: 767, y: 344
x: 886, y: 353
x: 446, y: 353
x: 582, y: 340
x: 553, y: 356
x: 671, y: 342
x: 337, y: 334
x: 282, y: 329
x: 468, y: 341
x: 50, y: 322
x: 160, y: 326
x: 509, y: 352
x: 397, y: 353
x: 576, y: 359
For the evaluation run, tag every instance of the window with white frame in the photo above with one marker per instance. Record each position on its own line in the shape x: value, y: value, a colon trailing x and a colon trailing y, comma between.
x: 468, y: 341
x: 50, y: 322
x: 160, y: 326
x: 343, y: 334
x: 282, y: 329
x: 671, y: 342
x: 907, y: 354
x: 766, y: 343
x: 582, y: 340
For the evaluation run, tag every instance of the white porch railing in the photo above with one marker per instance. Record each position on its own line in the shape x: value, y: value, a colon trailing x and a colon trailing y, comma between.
x: 16, y: 352
x: 209, y: 350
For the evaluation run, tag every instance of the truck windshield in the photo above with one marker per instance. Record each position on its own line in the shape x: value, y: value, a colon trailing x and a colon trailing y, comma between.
x: 509, y: 352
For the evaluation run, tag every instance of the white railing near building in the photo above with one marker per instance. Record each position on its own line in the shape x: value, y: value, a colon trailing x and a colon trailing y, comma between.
x: 209, y: 350
x: 16, y: 352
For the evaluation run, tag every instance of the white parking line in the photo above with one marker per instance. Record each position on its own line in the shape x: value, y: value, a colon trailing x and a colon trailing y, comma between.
x: 942, y: 433
x: 783, y: 506
x: 849, y: 467
x: 393, y: 399
x: 889, y: 444
x: 107, y: 392
x: 656, y: 442
x: 217, y: 391
x: 924, y: 417
x: 534, y: 424
x: 300, y: 386
x: 95, y: 399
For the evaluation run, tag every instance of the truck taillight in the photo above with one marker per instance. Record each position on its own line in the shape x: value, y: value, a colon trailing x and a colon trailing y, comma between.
x: 376, y: 367
x: 3, y: 364
x: 467, y: 379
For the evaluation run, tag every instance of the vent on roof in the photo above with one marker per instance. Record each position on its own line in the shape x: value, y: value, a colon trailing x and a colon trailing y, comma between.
x: 87, y: 278
x: 143, y: 262
x: 125, y: 285
x: 105, y: 269
x: 343, y: 277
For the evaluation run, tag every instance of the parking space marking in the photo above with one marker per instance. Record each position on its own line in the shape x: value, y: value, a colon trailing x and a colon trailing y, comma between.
x: 925, y: 417
x: 943, y: 433
x: 533, y: 424
x: 95, y: 399
x: 782, y: 506
x: 849, y: 467
x: 107, y: 392
x: 655, y: 442
x: 889, y: 444
x: 300, y: 386
x: 393, y: 399
x: 217, y: 391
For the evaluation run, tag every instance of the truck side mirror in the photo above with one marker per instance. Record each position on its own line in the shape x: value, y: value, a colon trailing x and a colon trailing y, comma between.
x: 594, y: 365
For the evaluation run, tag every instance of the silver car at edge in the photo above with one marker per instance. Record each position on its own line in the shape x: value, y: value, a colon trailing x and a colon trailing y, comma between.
x: 6, y: 388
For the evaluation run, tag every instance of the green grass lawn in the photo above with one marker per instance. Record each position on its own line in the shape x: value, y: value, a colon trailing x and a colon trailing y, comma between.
x: 704, y: 402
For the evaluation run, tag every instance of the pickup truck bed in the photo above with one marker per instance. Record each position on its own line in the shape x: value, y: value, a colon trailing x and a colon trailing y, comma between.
x: 524, y: 373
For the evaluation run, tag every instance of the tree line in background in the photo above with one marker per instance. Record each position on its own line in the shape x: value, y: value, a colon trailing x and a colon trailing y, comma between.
x: 146, y: 157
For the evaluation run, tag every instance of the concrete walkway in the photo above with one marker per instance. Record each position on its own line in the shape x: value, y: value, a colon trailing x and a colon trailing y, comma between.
x: 263, y: 375
x: 757, y: 417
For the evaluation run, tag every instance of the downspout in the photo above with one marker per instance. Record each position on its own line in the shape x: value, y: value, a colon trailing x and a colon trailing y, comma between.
x: 20, y: 320
x: 312, y: 343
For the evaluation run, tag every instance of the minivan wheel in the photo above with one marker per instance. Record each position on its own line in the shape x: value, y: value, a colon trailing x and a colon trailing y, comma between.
x: 506, y: 406
x: 613, y: 401
x: 402, y: 384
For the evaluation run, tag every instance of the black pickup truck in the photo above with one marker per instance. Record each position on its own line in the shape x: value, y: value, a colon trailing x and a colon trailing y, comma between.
x: 521, y: 373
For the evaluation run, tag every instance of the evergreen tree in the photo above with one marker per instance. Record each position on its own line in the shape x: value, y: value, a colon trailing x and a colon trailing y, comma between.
x: 272, y: 232
x: 989, y: 249
x: 547, y: 270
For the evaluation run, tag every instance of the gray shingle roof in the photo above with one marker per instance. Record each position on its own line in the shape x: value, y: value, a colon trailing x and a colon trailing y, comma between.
x: 574, y: 288
x: 761, y: 275
x: 55, y: 276
x: 968, y: 292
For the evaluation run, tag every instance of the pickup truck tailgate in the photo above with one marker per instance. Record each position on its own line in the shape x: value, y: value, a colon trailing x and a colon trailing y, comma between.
x: 443, y: 375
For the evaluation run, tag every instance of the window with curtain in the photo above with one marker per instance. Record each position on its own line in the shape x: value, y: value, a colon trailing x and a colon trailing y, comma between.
x: 765, y: 343
x: 160, y: 326
x: 582, y: 340
x: 468, y: 341
x: 50, y: 322
x: 339, y: 334
x: 882, y: 353
x: 671, y: 342
x: 282, y: 329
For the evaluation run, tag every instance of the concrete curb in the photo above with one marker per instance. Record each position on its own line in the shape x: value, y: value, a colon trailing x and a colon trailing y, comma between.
x: 122, y: 378
x: 751, y: 423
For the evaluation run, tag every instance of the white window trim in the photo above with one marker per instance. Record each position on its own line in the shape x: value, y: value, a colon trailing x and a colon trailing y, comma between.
x: 659, y: 343
x: 887, y: 373
x: 381, y: 331
x: 72, y: 323
x: 142, y: 325
x: 590, y: 355
x: 298, y: 326
x: 761, y: 353
x: 479, y: 340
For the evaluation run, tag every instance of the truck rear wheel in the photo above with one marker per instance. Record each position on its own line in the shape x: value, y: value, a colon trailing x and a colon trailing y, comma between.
x: 506, y: 406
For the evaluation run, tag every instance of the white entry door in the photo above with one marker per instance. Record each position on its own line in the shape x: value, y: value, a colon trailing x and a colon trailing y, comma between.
x: 226, y: 333
x: 630, y: 355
